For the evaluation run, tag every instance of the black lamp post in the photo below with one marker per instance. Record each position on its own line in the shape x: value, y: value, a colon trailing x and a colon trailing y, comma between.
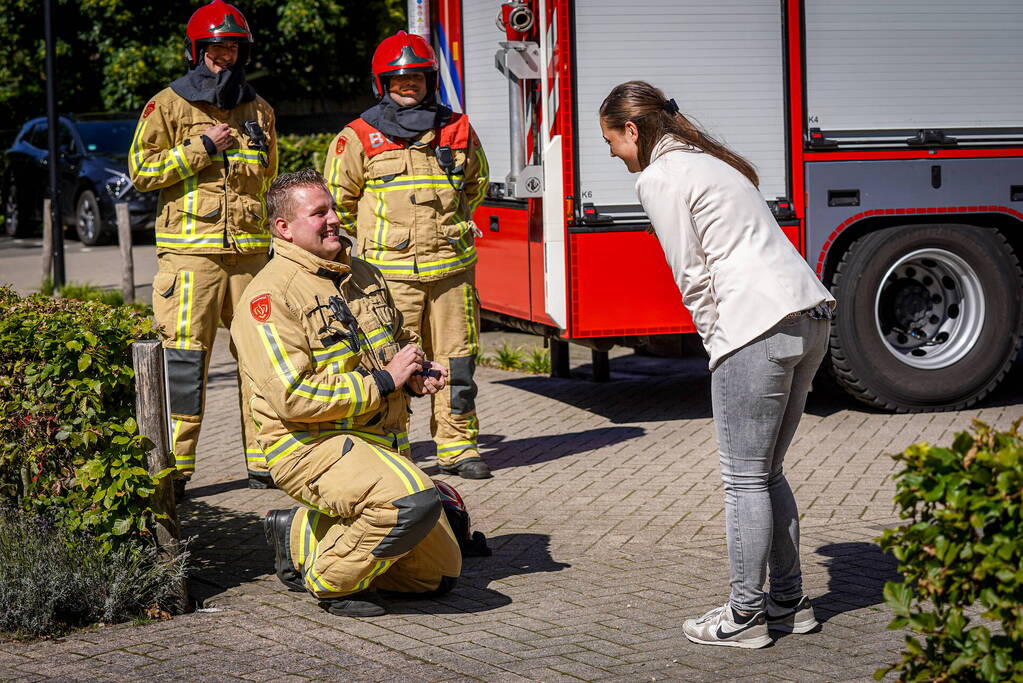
x: 54, y: 159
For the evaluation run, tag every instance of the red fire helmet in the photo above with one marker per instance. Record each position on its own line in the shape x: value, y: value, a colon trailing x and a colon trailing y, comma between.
x: 217, y: 22
x: 403, y: 53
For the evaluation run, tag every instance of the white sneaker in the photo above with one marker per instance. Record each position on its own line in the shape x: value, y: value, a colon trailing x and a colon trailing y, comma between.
x: 798, y: 619
x: 718, y: 627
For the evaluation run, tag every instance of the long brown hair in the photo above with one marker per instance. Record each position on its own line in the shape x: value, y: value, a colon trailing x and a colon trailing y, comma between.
x: 656, y: 116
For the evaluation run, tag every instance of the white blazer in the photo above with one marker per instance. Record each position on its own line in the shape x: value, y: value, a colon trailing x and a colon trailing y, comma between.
x: 737, y: 271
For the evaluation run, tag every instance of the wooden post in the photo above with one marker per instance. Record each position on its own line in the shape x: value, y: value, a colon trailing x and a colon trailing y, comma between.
x: 559, y: 358
x: 47, y: 243
x: 127, y: 261
x: 601, y: 365
x: 151, y: 415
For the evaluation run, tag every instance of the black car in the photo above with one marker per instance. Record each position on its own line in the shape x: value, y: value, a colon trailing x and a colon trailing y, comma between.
x: 93, y: 176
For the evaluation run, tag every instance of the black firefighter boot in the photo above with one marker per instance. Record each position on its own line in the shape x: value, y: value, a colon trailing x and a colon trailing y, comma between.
x: 277, y: 526
x: 471, y: 468
x: 362, y: 604
x: 261, y: 480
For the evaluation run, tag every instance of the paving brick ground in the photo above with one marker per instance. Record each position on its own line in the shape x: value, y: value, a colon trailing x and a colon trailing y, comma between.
x: 605, y: 518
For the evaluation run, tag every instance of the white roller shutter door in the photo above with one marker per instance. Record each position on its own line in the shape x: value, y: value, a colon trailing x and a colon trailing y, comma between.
x: 720, y: 60
x: 909, y: 64
x: 486, y: 90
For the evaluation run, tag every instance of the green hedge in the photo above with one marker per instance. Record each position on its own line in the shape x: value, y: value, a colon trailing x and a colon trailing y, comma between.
x: 69, y: 447
x: 303, y: 151
x: 962, y: 549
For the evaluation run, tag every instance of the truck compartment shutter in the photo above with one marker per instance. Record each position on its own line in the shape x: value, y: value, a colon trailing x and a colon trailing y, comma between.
x: 722, y: 62
x: 486, y: 90
x: 939, y: 64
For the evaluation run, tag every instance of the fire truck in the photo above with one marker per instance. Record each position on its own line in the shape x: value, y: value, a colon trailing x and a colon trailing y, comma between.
x: 888, y: 136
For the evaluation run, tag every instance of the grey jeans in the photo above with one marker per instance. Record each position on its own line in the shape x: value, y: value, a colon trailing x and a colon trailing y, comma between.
x: 758, y: 394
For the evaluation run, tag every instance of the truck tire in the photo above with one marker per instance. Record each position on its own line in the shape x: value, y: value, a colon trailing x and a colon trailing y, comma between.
x: 929, y: 316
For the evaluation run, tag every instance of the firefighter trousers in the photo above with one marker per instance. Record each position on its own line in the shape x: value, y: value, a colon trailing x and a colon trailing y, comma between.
x: 192, y: 294
x: 375, y: 520
x: 446, y: 314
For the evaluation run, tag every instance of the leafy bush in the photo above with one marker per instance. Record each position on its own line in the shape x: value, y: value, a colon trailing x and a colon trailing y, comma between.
x: 69, y: 447
x: 303, y: 151
x: 963, y: 548
x: 52, y: 579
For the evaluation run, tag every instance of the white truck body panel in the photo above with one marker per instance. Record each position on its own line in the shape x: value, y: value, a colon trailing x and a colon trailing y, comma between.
x: 910, y: 64
x: 721, y: 60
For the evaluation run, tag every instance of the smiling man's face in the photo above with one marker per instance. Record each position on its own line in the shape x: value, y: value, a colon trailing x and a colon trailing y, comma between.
x: 313, y: 223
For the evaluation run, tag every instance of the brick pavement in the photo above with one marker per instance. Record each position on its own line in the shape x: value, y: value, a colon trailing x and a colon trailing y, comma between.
x: 605, y: 518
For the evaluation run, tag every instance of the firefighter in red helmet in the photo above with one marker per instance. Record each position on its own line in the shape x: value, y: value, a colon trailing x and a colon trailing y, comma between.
x: 406, y: 177
x: 207, y: 143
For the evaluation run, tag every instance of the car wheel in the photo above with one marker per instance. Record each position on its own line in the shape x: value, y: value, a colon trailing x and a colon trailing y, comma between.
x: 89, y: 221
x: 929, y: 316
x: 15, y: 223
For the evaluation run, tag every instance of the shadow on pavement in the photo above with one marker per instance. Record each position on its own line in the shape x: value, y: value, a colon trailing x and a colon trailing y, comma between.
x: 500, y: 453
x: 227, y: 547
x: 857, y: 574
x: 660, y: 396
x: 513, y: 555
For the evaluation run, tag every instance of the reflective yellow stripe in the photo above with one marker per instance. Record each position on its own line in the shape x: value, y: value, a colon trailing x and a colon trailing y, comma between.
x: 484, y: 180
x: 182, y: 337
x: 253, y: 456
x: 455, y: 447
x: 335, y: 184
x: 177, y: 240
x: 135, y: 155
x: 253, y: 240
x: 378, y: 569
x: 470, y: 319
x: 389, y: 267
x: 444, y: 265
x: 381, y: 228
x: 402, y: 468
x: 302, y: 520
x: 188, y: 212
x: 346, y: 383
x: 312, y: 577
x: 247, y: 156
x: 412, y: 182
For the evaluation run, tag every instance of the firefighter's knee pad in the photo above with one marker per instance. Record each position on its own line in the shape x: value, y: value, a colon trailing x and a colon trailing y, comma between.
x: 417, y: 515
x: 462, y: 385
x: 185, y: 380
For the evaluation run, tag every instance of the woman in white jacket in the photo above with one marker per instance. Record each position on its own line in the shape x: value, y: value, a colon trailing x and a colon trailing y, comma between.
x: 763, y: 317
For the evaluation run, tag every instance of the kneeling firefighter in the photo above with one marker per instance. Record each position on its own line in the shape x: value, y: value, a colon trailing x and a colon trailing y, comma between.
x: 406, y: 177
x: 333, y: 368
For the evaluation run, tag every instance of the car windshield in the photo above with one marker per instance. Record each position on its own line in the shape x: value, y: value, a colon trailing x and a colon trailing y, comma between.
x: 106, y: 137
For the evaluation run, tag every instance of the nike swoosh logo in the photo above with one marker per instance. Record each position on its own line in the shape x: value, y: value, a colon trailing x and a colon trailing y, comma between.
x: 723, y: 635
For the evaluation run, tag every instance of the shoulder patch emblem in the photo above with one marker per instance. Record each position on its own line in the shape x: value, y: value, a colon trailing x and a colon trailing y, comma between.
x: 340, y: 146
x: 260, y: 308
x: 149, y: 109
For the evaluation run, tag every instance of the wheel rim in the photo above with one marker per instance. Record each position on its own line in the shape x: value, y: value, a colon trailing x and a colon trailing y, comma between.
x: 929, y: 309
x: 11, y: 212
x: 86, y: 221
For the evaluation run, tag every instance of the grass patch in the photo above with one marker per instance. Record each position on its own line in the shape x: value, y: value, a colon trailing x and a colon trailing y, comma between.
x: 535, y: 361
x: 83, y: 291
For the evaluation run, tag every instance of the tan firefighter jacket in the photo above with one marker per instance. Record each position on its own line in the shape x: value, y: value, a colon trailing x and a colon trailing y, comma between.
x: 308, y: 380
x: 412, y: 217
x: 207, y: 205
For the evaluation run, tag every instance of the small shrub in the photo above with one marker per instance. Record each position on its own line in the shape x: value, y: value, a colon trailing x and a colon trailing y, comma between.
x: 52, y: 579
x: 69, y: 445
x: 539, y: 362
x: 962, y: 547
x: 508, y: 358
x: 303, y: 151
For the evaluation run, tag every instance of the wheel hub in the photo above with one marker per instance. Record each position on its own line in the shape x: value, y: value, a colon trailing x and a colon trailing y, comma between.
x: 929, y: 308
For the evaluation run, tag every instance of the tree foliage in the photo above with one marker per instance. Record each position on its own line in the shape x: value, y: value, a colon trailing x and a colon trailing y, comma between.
x: 113, y: 55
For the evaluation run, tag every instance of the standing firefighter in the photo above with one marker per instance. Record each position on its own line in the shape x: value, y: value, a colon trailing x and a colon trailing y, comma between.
x: 332, y: 369
x: 406, y: 177
x: 208, y: 144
